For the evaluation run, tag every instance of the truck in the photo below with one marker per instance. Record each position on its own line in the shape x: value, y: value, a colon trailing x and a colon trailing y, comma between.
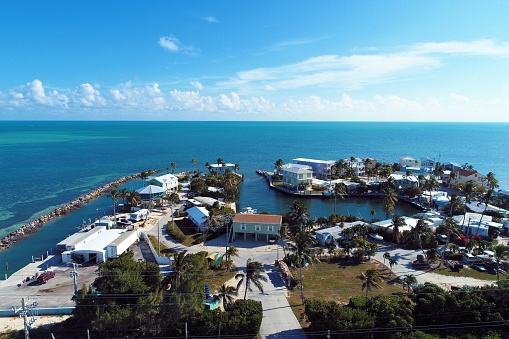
x: 139, y: 215
x: 45, y: 277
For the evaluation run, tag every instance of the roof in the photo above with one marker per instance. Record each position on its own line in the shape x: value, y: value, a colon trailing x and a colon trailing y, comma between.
x: 466, y: 173
x: 99, y: 243
x: 296, y: 168
x: 258, y: 218
x: 314, y: 161
x: 78, y: 237
x: 199, y: 214
x: 150, y: 189
x: 164, y: 178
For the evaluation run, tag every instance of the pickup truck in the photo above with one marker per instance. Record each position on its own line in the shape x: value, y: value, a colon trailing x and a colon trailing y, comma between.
x: 45, y: 277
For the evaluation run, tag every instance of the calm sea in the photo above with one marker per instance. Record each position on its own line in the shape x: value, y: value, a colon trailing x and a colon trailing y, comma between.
x: 46, y: 164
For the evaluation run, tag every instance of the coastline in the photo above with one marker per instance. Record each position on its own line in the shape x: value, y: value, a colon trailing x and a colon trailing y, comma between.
x: 35, y: 225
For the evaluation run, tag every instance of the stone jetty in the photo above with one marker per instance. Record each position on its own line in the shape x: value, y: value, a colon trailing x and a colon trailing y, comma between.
x: 35, y: 225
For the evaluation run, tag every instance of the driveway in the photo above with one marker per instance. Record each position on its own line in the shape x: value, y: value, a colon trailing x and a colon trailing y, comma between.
x: 405, y: 257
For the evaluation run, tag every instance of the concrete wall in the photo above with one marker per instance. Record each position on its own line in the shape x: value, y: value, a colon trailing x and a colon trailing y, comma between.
x: 160, y: 260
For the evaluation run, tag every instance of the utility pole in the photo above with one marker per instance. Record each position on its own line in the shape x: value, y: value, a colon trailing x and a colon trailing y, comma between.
x: 26, y: 311
x: 158, y: 239
x: 74, y: 275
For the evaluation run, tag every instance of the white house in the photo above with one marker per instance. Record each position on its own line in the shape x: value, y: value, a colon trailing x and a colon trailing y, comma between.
x: 200, y: 217
x: 168, y: 182
x: 321, y: 168
x: 402, y: 180
x: 409, y: 162
x: 300, y: 177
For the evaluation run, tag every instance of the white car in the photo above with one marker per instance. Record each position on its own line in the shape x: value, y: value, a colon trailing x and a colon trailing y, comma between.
x: 376, y: 236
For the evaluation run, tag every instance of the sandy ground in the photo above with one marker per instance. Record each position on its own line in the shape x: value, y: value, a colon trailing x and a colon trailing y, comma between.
x: 16, y: 323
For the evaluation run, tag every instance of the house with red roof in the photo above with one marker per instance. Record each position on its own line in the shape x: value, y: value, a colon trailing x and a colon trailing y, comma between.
x: 465, y: 176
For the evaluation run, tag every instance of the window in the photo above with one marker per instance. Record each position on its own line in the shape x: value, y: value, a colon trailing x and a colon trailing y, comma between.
x: 270, y: 228
x: 301, y: 176
x: 242, y: 227
x: 258, y: 227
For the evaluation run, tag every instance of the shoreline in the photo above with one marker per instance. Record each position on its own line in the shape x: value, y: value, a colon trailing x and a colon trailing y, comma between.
x: 35, y: 225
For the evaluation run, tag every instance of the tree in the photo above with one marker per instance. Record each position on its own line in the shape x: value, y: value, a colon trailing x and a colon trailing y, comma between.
x: 180, y: 269
x: 143, y: 176
x: 193, y: 161
x: 501, y: 252
x: 173, y: 166
x: 133, y: 198
x: 397, y: 222
x: 226, y: 294
x: 339, y: 190
x: 254, y: 275
x: 452, y: 228
x: 303, y: 242
x: 387, y: 256
x: 491, y: 181
x: 371, y: 279
x: 392, y: 262
x: 389, y: 200
x: 114, y: 195
x: 232, y: 251
x: 299, y: 214
x: 409, y: 280
x: 278, y: 164
x: 430, y: 184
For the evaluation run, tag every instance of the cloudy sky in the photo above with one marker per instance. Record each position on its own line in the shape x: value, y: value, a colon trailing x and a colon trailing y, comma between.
x: 254, y: 60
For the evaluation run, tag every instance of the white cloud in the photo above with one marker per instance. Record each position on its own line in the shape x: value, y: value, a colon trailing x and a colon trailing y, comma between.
x: 478, y: 47
x: 172, y: 44
x: 197, y: 85
x: 210, y: 19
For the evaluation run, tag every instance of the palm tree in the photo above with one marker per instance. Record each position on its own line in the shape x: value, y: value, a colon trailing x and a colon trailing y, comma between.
x: 452, y: 228
x: 278, y: 164
x: 501, y: 252
x: 409, y: 280
x: 173, y: 166
x: 180, y: 266
x: 226, y: 294
x: 389, y: 200
x: 299, y: 214
x: 232, y: 251
x: 371, y: 279
x: 303, y: 242
x: 236, y: 167
x: 339, y: 190
x: 419, y: 230
x: 430, y: 184
x: 123, y: 194
x: 114, y: 195
x: 491, y: 181
x: 133, y: 198
x: 486, y: 199
x: 144, y: 175
x: 392, y: 262
x: 253, y: 275
x: 397, y: 222
x: 387, y: 256
x: 373, y: 213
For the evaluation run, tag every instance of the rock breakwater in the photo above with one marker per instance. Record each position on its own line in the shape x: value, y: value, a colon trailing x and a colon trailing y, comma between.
x: 35, y: 225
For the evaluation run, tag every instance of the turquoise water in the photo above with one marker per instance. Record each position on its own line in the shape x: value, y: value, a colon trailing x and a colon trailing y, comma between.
x: 46, y: 164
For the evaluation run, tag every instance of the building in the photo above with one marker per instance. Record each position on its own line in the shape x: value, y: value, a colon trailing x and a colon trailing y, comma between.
x: 465, y: 176
x: 151, y: 192
x: 409, y: 162
x: 297, y: 177
x: 256, y: 226
x: 401, y: 180
x: 221, y: 168
x: 168, y: 182
x: 321, y: 168
x: 200, y: 217
x: 97, y: 245
x: 427, y: 163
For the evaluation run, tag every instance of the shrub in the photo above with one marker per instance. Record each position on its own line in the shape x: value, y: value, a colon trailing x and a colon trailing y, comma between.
x: 176, y: 234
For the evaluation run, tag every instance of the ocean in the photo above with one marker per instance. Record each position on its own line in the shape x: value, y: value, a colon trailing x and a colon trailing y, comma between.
x: 45, y: 164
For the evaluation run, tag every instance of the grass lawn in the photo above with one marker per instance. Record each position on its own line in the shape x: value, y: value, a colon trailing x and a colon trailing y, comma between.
x: 216, y: 278
x: 337, y: 282
x: 188, y: 231
x: 165, y: 250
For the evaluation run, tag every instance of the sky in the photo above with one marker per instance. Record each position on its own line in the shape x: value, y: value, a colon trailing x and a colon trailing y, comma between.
x: 254, y: 60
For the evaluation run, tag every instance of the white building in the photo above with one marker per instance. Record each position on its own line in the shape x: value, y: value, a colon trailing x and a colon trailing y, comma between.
x: 409, y: 162
x: 321, y: 168
x: 169, y: 182
x: 300, y: 177
x: 200, y: 217
x: 97, y: 245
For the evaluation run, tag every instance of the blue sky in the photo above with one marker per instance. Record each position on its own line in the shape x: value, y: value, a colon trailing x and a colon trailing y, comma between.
x: 257, y: 60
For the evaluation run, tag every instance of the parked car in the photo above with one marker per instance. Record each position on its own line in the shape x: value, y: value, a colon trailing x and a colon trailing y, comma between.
x: 480, y: 268
x: 468, y: 258
x: 124, y: 222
